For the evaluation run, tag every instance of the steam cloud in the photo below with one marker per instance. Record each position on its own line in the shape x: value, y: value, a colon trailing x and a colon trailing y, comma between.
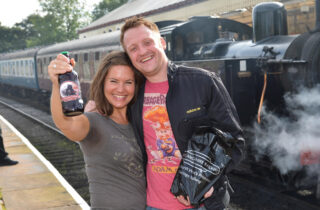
x: 283, y: 138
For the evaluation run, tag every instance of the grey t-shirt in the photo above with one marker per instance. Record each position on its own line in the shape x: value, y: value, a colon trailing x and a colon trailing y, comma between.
x: 114, y: 165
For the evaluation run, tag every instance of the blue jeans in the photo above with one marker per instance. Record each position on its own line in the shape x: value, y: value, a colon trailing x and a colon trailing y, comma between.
x: 200, y: 208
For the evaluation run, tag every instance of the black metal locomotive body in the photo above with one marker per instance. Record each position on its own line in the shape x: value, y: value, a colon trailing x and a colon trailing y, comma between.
x: 247, y: 64
x: 242, y: 55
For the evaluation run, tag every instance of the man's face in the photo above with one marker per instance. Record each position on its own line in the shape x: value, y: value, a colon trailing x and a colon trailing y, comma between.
x: 146, y: 51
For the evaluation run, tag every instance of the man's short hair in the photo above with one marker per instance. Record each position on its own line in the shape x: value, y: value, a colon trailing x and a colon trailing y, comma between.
x: 135, y: 21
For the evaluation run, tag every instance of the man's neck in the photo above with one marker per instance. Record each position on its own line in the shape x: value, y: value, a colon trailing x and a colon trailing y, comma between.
x: 157, y: 78
x: 160, y: 76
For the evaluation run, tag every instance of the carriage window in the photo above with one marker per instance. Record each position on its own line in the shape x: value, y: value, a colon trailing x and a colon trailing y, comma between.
x: 3, y: 68
x: 17, y: 69
x: 26, y: 68
x: 45, y: 68
x: 31, y: 68
x: 21, y: 69
x: 40, y: 66
x: 76, y: 57
x: 97, y: 56
x: 12, y: 68
x: 8, y: 68
x: 86, y: 67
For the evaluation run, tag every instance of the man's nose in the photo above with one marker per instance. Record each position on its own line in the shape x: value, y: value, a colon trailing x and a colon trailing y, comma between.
x: 142, y: 50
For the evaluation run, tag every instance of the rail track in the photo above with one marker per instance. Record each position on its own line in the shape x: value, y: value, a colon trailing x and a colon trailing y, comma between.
x: 252, y: 192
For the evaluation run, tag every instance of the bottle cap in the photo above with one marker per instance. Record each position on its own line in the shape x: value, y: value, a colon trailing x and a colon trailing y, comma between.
x: 66, y: 53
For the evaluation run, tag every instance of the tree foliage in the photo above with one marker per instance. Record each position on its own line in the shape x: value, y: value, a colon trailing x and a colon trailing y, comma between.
x: 106, y: 6
x: 11, y: 38
x: 65, y: 15
x: 58, y: 22
x: 41, y: 30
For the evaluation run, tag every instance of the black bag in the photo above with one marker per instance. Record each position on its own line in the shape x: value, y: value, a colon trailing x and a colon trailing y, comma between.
x: 202, y: 164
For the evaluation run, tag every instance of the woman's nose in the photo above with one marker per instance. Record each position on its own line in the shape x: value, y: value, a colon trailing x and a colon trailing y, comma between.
x: 120, y: 87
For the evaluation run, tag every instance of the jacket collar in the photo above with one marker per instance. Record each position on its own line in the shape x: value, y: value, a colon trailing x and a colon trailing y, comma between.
x: 172, y: 69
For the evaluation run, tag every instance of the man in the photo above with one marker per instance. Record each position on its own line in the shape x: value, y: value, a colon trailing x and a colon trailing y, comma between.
x: 4, y: 159
x: 171, y: 102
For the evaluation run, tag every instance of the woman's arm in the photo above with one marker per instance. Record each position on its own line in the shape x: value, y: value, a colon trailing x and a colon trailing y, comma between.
x: 75, y: 128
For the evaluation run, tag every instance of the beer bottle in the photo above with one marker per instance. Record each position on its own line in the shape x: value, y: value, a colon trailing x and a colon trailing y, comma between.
x: 70, y: 92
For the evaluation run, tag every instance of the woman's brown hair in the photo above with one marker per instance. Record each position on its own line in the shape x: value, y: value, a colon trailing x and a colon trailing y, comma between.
x: 97, y: 86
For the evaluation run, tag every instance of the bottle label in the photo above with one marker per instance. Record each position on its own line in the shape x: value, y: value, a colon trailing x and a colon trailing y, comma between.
x: 69, y: 91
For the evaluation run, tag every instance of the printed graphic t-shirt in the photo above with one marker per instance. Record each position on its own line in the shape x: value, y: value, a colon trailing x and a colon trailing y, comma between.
x: 163, y: 153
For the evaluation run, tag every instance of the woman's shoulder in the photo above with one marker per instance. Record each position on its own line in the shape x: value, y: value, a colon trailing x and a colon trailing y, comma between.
x: 96, y: 118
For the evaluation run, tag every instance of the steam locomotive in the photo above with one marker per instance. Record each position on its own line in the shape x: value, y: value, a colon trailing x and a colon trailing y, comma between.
x: 243, y: 58
x: 246, y: 58
x: 258, y: 66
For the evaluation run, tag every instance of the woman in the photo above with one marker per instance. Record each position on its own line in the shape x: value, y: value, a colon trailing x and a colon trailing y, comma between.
x: 111, y: 153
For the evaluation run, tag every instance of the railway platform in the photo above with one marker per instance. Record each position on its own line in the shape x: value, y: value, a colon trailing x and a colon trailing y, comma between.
x: 33, y: 183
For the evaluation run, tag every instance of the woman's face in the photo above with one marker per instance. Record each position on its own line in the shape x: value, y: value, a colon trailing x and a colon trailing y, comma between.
x: 119, y: 86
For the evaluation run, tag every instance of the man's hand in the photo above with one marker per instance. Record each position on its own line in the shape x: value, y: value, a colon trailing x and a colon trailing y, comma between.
x: 90, y: 106
x: 209, y: 193
x: 185, y: 202
x: 182, y: 200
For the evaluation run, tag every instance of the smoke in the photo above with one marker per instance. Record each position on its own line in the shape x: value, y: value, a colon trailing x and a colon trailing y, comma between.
x: 283, y: 138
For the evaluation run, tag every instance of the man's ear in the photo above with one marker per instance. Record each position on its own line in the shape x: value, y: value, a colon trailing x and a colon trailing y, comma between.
x: 163, y: 43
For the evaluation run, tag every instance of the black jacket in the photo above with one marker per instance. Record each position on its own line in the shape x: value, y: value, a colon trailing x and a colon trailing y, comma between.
x: 195, y: 97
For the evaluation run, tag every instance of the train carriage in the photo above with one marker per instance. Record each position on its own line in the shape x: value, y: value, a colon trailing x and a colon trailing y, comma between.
x: 87, y: 54
x: 18, y: 69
